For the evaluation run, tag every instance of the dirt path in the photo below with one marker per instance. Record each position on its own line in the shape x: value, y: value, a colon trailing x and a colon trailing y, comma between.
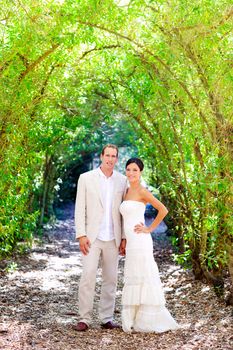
x: 38, y: 303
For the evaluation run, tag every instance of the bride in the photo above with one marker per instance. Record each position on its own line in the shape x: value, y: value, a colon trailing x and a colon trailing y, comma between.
x: 143, y: 302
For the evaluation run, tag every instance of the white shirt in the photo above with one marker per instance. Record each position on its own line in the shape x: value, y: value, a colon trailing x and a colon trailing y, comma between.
x: 106, y: 190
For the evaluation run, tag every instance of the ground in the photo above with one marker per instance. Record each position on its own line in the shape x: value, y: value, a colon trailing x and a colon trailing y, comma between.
x: 38, y: 302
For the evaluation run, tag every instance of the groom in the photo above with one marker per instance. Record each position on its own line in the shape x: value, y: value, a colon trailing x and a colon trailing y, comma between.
x: 99, y: 231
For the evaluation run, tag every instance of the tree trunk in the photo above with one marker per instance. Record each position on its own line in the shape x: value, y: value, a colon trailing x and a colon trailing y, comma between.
x: 46, y: 182
x: 229, y: 300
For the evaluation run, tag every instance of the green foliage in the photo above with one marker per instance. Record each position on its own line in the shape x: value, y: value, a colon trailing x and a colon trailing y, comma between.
x: 11, y: 267
x: 154, y: 74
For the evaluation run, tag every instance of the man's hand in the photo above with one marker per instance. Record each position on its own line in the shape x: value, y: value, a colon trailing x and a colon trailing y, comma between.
x: 84, y: 245
x: 122, y: 247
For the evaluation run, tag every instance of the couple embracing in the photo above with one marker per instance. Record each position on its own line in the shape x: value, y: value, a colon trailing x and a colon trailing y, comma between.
x: 103, y: 199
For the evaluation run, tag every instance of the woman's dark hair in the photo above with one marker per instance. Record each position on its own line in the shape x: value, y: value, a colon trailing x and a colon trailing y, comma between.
x: 136, y: 161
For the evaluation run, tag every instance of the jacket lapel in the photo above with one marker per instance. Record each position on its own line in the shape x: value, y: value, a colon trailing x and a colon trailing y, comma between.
x: 115, y: 189
x: 96, y: 185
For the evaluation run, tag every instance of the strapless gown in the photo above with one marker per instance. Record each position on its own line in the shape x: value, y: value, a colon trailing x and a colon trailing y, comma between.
x: 143, y: 302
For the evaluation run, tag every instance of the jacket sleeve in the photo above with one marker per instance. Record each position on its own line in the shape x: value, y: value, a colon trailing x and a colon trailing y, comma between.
x: 80, y: 208
x: 122, y: 221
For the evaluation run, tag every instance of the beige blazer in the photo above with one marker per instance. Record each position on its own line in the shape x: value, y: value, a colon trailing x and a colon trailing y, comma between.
x: 89, y: 209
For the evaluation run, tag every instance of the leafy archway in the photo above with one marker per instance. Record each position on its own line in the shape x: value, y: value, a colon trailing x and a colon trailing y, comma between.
x: 69, y: 67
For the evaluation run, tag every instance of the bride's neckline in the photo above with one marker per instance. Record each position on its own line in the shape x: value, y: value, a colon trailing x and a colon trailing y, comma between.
x: 132, y: 200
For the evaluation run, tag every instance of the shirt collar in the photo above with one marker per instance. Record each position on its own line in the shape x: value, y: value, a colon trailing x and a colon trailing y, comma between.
x: 102, y: 174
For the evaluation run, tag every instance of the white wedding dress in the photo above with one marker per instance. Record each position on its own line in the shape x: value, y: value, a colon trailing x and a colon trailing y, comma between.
x: 143, y: 302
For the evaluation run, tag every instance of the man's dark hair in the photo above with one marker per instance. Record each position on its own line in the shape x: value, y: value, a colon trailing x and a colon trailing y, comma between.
x: 109, y: 145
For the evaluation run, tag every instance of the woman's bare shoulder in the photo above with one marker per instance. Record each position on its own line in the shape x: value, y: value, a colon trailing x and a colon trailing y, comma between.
x: 145, y: 194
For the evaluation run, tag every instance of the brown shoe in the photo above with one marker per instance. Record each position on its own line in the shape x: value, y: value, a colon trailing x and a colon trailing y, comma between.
x: 110, y: 325
x: 80, y: 327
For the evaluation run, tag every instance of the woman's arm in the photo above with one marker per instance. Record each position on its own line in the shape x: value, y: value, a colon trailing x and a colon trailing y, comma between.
x: 148, y: 197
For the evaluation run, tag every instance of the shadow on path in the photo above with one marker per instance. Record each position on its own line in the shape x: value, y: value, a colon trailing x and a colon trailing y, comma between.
x: 38, y: 302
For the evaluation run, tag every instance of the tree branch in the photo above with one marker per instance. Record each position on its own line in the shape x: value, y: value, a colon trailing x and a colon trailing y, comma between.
x: 31, y: 66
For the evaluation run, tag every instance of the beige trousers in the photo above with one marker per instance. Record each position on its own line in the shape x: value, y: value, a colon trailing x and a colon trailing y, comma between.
x: 108, y: 253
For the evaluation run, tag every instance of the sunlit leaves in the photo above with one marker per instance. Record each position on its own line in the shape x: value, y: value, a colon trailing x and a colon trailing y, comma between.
x: 70, y: 68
